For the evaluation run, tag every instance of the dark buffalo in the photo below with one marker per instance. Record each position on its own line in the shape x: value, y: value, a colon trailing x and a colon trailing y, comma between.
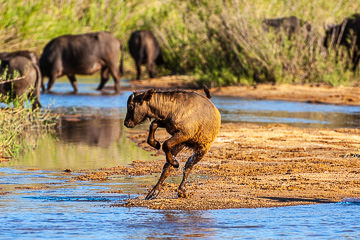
x: 27, y: 82
x: 23, y: 53
x: 346, y: 34
x: 191, y: 119
x: 145, y: 49
x: 290, y: 25
x: 82, y: 54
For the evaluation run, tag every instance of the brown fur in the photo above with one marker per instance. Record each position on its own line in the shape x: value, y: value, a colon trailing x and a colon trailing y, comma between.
x: 192, y: 120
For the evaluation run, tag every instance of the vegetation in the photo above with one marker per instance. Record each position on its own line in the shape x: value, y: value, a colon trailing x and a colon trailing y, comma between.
x: 15, y: 123
x: 220, y: 41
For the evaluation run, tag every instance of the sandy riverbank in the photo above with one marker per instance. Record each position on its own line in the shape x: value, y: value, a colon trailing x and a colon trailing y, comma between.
x: 258, y: 166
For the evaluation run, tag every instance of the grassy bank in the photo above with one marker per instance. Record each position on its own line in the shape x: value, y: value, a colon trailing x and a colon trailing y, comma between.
x: 20, y: 128
x: 220, y: 42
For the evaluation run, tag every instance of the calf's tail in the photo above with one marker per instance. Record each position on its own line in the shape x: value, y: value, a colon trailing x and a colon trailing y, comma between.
x: 207, y: 92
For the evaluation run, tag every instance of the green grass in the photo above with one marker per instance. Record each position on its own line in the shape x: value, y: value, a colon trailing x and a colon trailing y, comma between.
x: 219, y: 42
x: 15, y: 123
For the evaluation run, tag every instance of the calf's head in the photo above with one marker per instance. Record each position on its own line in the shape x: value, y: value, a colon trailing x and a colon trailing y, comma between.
x: 137, y: 109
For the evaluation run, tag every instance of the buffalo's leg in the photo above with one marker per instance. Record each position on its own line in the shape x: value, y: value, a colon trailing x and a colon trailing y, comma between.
x: 151, y: 69
x: 51, y: 81
x: 164, y: 174
x: 104, y: 78
x: 73, y: 83
x: 355, y: 60
x: 175, y: 150
x: 138, y: 70
x: 151, y: 138
x: 176, y: 139
x: 42, y: 85
x: 35, y: 96
x: 138, y: 60
x: 157, y: 188
x: 195, y: 158
x: 114, y: 71
x: 151, y: 65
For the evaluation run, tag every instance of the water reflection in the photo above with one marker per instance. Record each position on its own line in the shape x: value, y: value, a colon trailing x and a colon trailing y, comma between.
x: 88, y: 143
x: 91, y: 130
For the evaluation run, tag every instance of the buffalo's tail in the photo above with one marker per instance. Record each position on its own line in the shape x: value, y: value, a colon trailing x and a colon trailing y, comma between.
x: 160, y: 60
x: 121, y: 67
x: 42, y: 73
x: 38, y: 84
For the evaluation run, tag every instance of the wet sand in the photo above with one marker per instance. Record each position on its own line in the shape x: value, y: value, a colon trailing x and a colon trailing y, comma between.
x: 249, y: 165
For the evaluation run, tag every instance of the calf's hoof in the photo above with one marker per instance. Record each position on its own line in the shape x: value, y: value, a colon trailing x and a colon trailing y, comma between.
x: 152, y: 194
x: 157, y: 145
x: 182, y: 193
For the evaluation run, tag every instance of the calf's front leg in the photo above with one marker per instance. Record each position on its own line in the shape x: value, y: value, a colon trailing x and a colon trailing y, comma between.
x: 151, y: 138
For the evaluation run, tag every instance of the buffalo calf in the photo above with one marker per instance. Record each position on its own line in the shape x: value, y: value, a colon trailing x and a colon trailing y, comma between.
x: 145, y: 49
x: 191, y: 119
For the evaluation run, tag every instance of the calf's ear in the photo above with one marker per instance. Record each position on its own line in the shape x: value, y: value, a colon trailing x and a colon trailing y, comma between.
x: 147, y: 95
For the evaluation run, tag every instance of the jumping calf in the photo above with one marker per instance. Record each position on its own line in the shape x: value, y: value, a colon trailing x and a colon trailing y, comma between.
x: 191, y: 119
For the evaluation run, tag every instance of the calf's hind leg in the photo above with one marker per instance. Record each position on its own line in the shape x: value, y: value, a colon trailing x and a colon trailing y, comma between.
x: 193, y: 159
x: 177, y: 139
x: 164, y: 174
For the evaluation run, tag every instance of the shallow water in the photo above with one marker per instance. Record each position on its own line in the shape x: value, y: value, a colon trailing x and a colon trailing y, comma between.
x: 232, y: 109
x: 39, y: 201
x: 57, y: 208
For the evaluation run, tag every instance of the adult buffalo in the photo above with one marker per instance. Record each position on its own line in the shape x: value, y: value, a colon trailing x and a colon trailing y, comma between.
x: 290, y: 25
x: 23, y: 53
x: 346, y: 34
x: 21, y: 76
x: 145, y: 49
x: 82, y: 54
